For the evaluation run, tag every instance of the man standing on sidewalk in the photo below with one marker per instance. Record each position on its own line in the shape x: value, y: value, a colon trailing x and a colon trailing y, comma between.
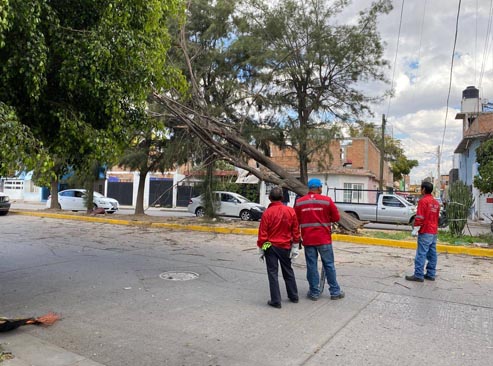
x: 278, y: 242
x: 315, y: 214
x: 426, y: 229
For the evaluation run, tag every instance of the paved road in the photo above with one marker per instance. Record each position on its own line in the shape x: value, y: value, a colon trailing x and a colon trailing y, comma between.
x: 107, y: 281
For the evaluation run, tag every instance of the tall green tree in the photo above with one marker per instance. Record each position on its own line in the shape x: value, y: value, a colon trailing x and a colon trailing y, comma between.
x: 305, y: 67
x: 74, y: 71
x: 484, y: 157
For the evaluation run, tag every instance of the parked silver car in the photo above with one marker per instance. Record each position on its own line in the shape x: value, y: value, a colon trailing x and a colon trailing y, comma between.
x: 75, y: 200
x: 229, y: 204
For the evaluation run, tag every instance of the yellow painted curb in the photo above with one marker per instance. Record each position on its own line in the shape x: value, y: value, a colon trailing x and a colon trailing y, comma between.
x: 441, y: 248
x: 451, y: 249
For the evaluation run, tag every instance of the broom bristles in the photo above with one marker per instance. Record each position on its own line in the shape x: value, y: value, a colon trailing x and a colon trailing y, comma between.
x: 47, y: 319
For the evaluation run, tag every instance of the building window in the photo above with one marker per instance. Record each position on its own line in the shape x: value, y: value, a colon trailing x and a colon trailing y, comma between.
x: 353, y: 192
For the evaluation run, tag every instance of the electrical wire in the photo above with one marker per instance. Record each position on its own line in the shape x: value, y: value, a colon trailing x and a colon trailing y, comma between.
x: 450, y: 77
x: 395, y: 58
x: 486, y: 45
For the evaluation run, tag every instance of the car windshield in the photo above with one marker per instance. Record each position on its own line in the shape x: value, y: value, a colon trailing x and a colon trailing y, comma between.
x: 97, y: 194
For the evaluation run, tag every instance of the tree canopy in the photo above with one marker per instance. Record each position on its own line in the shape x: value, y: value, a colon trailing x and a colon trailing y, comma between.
x: 305, y: 68
x: 484, y: 157
x: 74, y: 72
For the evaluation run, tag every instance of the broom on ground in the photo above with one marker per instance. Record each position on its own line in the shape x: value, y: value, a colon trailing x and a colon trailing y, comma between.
x: 10, y: 324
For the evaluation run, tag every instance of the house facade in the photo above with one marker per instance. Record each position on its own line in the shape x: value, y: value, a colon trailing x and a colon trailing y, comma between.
x: 477, y: 126
x: 352, y: 163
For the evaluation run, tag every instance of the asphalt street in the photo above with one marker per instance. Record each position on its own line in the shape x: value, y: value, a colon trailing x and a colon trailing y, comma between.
x: 123, y: 301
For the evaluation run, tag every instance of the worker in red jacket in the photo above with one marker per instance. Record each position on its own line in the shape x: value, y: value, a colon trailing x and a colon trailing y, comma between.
x: 278, y: 242
x: 315, y: 214
x: 426, y: 229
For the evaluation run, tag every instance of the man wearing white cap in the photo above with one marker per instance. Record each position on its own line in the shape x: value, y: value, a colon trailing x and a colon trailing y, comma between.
x: 315, y: 214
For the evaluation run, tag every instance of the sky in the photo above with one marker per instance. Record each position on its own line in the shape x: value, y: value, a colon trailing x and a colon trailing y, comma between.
x: 417, y: 113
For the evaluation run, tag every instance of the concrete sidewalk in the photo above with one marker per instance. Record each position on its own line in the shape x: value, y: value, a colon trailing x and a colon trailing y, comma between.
x: 28, y: 350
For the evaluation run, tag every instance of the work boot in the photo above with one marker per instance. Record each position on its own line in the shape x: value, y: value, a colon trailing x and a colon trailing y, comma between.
x: 311, y: 297
x: 337, y: 297
x: 274, y: 304
x: 429, y: 278
x: 414, y: 278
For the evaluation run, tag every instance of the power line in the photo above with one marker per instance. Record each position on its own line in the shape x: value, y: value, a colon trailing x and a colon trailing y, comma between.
x: 451, y: 72
x: 486, y: 45
x: 395, y: 58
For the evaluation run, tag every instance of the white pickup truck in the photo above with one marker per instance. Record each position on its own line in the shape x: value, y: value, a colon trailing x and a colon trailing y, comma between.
x: 389, y: 208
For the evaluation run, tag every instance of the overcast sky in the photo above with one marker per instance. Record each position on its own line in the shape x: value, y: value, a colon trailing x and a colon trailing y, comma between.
x: 417, y: 111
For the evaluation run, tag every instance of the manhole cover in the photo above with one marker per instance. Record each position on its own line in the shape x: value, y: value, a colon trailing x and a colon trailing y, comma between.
x: 179, y: 276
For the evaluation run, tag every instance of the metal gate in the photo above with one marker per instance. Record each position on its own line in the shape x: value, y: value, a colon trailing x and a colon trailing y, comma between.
x: 184, y: 193
x: 121, y: 191
x: 161, y: 192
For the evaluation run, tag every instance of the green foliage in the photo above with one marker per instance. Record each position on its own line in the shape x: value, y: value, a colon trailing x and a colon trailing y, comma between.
x: 300, y: 61
x: 76, y: 72
x: 484, y: 157
x: 19, y: 149
x: 458, y: 207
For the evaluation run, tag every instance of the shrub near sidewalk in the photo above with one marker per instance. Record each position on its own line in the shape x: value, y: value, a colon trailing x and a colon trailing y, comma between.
x: 458, y: 207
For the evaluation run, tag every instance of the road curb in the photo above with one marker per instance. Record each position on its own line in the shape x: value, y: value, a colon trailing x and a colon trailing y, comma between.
x: 441, y: 248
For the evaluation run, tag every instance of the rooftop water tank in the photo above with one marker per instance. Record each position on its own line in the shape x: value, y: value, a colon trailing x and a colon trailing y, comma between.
x: 470, y: 100
x: 470, y: 92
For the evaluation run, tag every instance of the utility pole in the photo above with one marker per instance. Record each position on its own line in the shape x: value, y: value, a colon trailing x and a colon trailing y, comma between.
x: 438, y: 170
x: 382, y: 153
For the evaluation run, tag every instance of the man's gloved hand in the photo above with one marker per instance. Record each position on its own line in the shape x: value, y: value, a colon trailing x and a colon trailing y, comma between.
x: 261, y: 255
x: 295, y: 251
x: 415, y: 231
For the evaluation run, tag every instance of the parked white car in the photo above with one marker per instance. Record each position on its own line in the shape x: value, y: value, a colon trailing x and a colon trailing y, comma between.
x: 75, y: 200
x: 229, y: 204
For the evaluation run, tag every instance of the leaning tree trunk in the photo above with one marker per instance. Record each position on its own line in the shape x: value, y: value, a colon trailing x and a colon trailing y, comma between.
x: 227, y: 143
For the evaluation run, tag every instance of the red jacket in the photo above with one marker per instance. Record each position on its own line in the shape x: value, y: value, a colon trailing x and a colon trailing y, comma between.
x: 278, y: 225
x: 427, y: 215
x: 315, y: 215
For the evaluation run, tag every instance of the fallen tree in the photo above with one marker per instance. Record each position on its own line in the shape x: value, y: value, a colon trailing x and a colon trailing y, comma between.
x: 226, y: 142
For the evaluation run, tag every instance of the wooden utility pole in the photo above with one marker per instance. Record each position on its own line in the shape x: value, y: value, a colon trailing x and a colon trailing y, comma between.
x: 382, y: 153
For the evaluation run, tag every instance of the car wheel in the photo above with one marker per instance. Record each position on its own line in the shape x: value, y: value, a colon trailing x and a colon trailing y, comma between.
x: 110, y: 212
x: 59, y: 206
x: 3, y: 213
x: 245, y: 215
x: 200, y: 212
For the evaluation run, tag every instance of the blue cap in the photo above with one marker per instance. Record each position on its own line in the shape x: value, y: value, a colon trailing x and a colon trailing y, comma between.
x: 314, y: 183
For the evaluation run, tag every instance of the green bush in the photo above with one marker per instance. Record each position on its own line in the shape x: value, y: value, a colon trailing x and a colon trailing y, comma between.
x: 458, y: 207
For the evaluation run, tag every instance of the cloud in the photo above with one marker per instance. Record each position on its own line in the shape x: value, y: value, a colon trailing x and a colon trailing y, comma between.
x: 417, y: 111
